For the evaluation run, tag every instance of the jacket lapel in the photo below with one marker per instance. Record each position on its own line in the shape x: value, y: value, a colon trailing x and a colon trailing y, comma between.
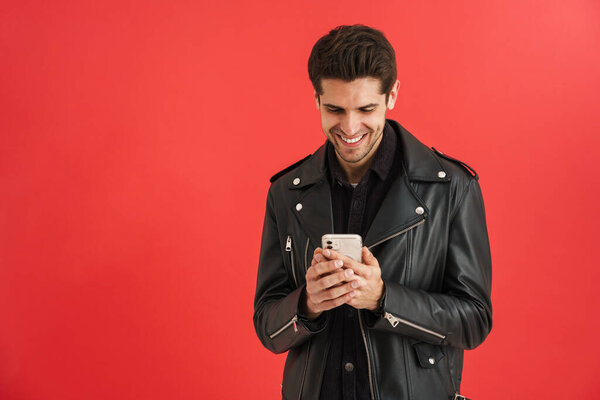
x: 316, y: 215
x: 401, y: 208
x: 313, y: 198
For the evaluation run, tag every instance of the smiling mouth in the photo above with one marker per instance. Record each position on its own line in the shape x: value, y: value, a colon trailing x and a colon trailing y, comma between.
x: 356, y: 139
x: 352, y: 141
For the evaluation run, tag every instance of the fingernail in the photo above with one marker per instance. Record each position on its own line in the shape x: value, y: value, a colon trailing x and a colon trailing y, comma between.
x: 318, y: 258
x: 349, y: 273
x: 327, y: 253
x: 338, y: 263
x: 355, y: 284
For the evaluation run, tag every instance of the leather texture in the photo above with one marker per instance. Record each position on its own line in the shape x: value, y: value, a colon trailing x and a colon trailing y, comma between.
x: 430, y: 238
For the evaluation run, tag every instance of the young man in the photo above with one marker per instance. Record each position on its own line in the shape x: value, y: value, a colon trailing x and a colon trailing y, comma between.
x: 395, y: 325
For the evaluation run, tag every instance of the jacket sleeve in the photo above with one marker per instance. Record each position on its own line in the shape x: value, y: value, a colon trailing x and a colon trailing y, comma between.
x: 277, y: 321
x: 461, y: 315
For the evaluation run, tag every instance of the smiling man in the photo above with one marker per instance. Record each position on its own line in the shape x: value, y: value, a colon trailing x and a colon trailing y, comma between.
x: 396, y: 324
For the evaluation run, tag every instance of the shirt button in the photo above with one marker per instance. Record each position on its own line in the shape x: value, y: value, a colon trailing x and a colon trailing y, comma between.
x: 431, y: 360
x: 298, y: 206
x: 419, y: 210
x: 349, y: 367
x: 297, y: 181
x: 441, y: 174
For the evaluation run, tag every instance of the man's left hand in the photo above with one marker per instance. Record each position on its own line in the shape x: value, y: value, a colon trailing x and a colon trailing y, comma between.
x: 370, y: 291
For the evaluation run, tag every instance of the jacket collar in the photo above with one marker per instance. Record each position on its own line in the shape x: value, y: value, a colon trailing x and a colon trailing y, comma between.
x: 420, y: 163
x: 312, y: 204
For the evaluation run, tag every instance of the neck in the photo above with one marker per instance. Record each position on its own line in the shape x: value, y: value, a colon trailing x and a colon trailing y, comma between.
x: 355, y: 171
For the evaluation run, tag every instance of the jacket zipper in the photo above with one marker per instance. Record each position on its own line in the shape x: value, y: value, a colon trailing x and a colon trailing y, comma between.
x: 309, y: 340
x: 396, y: 234
x: 306, y: 256
x: 287, y: 325
x: 288, y: 248
x: 304, y: 371
x: 362, y: 329
x: 394, y: 321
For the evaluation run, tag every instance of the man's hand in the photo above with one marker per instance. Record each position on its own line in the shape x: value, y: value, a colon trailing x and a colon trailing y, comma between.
x: 328, y: 285
x: 368, y: 273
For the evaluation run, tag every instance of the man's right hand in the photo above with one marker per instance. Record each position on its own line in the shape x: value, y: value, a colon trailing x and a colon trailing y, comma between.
x: 328, y: 285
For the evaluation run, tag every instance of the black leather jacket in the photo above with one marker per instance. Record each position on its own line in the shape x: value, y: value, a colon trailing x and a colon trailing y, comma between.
x: 431, y: 241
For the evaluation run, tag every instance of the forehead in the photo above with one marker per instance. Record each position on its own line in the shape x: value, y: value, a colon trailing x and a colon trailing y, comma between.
x: 351, y: 94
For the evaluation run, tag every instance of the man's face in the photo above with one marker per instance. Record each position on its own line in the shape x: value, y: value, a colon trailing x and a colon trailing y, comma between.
x: 353, y: 117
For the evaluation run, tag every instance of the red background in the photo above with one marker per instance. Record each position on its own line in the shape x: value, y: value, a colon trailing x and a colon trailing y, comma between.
x: 137, y: 139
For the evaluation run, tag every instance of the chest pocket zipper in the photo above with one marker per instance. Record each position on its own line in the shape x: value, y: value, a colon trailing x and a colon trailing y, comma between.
x: 289, y: 249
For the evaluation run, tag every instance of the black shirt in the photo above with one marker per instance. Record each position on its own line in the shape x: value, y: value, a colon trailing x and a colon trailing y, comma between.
x: 354, y: 208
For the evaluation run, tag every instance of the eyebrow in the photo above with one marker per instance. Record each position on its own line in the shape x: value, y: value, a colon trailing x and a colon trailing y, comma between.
x: 359, y: 108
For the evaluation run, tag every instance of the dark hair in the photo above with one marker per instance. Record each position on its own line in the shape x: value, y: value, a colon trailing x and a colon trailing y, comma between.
x: 349, y: 52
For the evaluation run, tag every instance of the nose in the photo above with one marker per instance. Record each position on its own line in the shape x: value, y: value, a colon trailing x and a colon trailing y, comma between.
x: 350, y: 124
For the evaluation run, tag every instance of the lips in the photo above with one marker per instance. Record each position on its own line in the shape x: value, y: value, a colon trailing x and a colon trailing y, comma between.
x: 352, y: 142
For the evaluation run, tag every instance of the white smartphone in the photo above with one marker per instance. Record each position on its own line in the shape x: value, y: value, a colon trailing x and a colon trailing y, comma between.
x: 349, y: 245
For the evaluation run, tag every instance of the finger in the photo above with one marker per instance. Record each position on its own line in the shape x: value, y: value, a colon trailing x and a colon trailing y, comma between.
x: 315, y: 260
x: 330, y: 304
x: 334, y: 293
x: 334, y: 279
x: 354, y: 286
x: 326, y: 267
x: 358, y: 268
x: 368, y: 257
x: 316, y: 272
x: 358, y: 282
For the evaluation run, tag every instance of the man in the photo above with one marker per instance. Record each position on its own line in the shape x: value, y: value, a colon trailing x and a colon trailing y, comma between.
x: 395, y: 325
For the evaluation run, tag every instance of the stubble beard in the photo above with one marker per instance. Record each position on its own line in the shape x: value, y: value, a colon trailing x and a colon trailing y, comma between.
x: 361, y: 157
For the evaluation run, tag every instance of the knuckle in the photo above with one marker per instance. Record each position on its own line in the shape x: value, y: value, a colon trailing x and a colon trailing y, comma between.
x: 339, y: 291
x: 327, y: 282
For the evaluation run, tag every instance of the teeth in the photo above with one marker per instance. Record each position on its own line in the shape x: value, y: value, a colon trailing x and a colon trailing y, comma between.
x: 352, y: 140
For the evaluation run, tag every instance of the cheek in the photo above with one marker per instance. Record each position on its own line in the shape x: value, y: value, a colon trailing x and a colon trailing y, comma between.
x: 376, y: 122
x: 328, y: 122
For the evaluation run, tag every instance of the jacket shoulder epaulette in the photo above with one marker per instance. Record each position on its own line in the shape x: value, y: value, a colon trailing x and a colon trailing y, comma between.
x: 287, y: 169
x: 470, y: 170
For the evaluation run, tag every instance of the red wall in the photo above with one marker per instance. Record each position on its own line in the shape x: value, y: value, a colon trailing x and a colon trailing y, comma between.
x: 136, y: 143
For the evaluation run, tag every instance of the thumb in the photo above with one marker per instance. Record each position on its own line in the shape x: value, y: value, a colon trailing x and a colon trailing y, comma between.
x: 367, y: 256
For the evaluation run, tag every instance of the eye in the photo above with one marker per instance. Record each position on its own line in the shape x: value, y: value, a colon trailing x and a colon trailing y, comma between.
x: 334, y: 110
x: 367, y: 110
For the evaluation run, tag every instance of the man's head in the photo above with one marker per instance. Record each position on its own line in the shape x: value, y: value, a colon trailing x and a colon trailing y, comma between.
x: 349, y: 52
x: 353, y: 72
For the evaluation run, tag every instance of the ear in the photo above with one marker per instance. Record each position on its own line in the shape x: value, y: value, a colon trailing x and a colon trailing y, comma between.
x: 317, y: 99
x: 393, y: 95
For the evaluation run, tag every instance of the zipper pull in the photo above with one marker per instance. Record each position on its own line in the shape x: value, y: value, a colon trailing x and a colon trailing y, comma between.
x: 393, y: 320
x: 294, y: 322
x: 288, y: 244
